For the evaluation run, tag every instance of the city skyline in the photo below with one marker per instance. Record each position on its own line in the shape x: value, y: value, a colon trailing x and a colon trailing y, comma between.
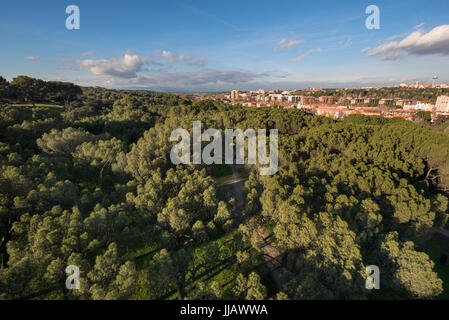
x: 198, y: 46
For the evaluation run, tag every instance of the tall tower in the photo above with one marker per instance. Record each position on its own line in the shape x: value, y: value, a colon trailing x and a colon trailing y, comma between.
x: 433, y: 81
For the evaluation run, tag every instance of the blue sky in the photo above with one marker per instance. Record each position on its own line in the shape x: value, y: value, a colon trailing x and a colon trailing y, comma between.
x: 193, y: 45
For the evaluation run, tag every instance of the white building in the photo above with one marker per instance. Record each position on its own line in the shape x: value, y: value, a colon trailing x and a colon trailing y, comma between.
x: 418, y: 106
x: 442, y: 105
x: 292, y: 98
x: 276, y: 97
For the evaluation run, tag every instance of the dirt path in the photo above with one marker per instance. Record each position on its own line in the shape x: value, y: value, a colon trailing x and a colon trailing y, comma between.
x: 237, y: 184
x: 270, y: 255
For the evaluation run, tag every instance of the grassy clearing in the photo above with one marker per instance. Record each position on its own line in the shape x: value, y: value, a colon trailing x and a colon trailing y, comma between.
x: 268, y: 227
x: 222, y: 170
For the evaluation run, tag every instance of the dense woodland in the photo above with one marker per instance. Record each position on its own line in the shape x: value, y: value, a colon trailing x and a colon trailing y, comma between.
x: 86, y: 180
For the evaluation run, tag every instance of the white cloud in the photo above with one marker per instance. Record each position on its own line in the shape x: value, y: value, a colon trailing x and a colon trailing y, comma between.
x: 130, y: 66
x: 288, y: 44
x: 216, y: 80
x: 126, y: 67
x: 419, y: 25
x: 32, y: 58
x: 131, y: 72
x: 392, y: 56
x: 182, y: 58
x: 435, y: 41
x: 301, y: 57
x: 393, y: 37
x: 204, y: 79
x: 305, y: 55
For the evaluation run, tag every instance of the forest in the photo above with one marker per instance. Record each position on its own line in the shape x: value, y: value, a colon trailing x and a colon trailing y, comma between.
x: 86, y: 180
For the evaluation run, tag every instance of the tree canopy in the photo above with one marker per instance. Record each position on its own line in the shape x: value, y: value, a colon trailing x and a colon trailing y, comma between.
x: 88, y: 181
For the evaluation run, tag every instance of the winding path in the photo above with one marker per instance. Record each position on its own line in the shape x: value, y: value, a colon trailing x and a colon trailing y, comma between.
x: 270, y: 254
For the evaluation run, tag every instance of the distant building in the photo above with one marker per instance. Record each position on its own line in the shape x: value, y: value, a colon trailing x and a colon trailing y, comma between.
x: 307, y: 100
x: 419, y: 85
x: 327, y: 99
x: 371, y: 101
x: 235, y: 95
x: 292, y: 98
x: 418, y: 106
x: 357, y: 100
x: 442, y: 105
x: 244, y: 96
x: 276, y: 97
x: 386, y: 101
x: 344, y: 101
x: 402, y: 103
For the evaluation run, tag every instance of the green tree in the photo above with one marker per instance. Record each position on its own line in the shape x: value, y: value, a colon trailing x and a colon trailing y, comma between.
x: 408, y: 271
x: 62, y: 92
x: 249, y: 288
x: 29, y: 89
x: 63, y: 142
x: 5, y: 90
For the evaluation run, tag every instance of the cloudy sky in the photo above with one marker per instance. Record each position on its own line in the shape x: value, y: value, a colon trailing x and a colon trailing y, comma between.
x: 196, y: 45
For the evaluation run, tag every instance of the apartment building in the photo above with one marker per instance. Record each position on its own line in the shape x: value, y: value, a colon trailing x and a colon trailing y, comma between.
x: 235, y: 95
x: 371, y: 101
x: 344, y: 101
x: 293, y: 98
x: 308, y: 100
x: 327, y: 99
x: 442, y: 105
x: 357, y: 100
x: 403, y: 103
x: 386, y: 101
x: 418, y: 106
